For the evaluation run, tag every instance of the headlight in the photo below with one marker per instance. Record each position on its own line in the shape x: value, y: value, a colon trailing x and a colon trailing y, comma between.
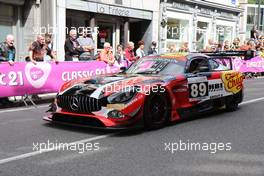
x: 123, y: 96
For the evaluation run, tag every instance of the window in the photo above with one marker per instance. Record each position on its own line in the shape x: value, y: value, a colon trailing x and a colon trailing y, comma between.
x: 217, y: 65
x: 177, y: 32
x: 199, y: 65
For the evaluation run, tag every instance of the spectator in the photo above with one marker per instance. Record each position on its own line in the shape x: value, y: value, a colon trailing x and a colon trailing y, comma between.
x: 8, y: 50
x: 51, y: 55
x: 72, y: 47
x: 245, y: 46
x: 7, y: 54
x: 140, y: 52
x: 119, y: 56
x: 38, y: 50
x: 106, y: 55
x: 226, y: 46
x: 211, y: 47
x: 129, y: 53
x: 236, y: 44
x: 153, y: 49
x: 254, y: 33
x: 172, y: 48
x: 251, y: 45
x: 184, y: 47
x: 87, y: 43
x: 219, y: 47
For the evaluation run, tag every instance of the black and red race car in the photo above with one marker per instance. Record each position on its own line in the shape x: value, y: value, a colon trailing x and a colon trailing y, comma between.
x: 154, y: 90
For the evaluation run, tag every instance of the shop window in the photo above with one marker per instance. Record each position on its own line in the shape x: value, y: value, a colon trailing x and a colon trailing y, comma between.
x: 105, y: 34
x: 201, y: 31
x: 224, y: 33
x: 177, y: 32
x: 251, y: 16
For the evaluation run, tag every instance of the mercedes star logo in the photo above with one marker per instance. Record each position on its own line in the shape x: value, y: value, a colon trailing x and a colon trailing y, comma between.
x: 74, y: 103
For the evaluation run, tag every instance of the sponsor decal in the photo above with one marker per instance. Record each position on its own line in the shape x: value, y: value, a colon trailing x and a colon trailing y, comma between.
x: 233, y: 81
x: 115, y: 106
x: 216, y: 87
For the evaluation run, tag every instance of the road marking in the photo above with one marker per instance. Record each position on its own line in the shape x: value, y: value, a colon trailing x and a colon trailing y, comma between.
x: 23, y: 109
x: 252, y: 101
x: 27, y: 155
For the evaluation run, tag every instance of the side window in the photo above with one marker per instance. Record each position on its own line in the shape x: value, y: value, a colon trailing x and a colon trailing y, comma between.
x: 216, y: 65
x: 199, y: 65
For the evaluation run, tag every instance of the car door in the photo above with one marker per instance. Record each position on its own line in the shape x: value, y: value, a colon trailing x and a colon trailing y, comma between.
x: 198, y: 76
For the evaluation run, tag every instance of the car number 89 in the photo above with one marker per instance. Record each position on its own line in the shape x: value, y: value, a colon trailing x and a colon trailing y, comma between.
x: 198, y: 89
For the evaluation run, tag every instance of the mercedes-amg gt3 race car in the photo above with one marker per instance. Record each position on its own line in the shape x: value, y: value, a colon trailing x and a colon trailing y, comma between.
x: 154, y: 90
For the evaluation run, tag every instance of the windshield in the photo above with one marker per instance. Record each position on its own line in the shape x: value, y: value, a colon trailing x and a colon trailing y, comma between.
x: 159, y: 66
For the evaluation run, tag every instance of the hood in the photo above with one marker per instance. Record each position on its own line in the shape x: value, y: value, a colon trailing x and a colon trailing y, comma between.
x: 104, y: 85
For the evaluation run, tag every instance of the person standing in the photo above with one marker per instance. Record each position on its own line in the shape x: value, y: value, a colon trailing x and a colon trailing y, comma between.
x: 38, y: 50
x: 153, y: 49
x: 184, y: 47
x: 140, y: 52
x: 72, y: 47
x: 8, y: 50
x: 51, y: 55
x: 129, y: 53
x: 87, y: 43
x: 106, y: 55
x: 120, y: 54
x: 7, y: 54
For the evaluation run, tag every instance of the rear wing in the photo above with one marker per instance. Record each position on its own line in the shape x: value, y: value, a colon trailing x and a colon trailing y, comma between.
x: 222, y: 54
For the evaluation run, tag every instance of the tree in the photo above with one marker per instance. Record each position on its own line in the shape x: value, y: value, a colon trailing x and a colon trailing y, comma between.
x: 255, y: 1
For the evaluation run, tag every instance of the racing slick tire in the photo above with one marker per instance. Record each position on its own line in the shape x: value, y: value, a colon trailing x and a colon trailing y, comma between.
x: 157, y: 110
x: 231, y: 102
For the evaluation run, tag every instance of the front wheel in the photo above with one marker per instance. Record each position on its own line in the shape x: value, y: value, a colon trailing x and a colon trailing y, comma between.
x: 156, y: 111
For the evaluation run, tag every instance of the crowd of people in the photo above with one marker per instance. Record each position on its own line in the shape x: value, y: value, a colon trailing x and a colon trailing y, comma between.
x: 82, y: 49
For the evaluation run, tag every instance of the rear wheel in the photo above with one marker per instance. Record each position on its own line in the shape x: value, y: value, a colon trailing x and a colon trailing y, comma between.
x: 156, y: 111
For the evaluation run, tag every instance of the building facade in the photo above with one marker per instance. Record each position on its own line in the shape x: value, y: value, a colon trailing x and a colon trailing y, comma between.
x: 18, y: 17
x: 196, y: 22
x: 113, y: 21
x: 252, y: 15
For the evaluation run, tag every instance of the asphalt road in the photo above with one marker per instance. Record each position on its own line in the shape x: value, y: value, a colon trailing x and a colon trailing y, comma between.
x: 239, y: 136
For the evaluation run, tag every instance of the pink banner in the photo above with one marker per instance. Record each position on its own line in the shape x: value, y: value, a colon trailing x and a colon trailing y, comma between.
x: 255, y: 64
x: 27, y: 78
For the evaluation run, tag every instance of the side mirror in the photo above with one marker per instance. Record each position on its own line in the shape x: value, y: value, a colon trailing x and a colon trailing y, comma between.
x: 204, y: 69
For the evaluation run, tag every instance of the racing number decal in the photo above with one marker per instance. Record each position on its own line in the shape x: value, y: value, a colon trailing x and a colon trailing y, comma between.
x: 198, y: 90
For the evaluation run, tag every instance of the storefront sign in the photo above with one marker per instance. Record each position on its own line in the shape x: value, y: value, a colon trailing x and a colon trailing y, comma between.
x: 181, y: 6
x: 27, y: 78
x: 108, y: 9
x: 205, y: 11
x: 113, y: 10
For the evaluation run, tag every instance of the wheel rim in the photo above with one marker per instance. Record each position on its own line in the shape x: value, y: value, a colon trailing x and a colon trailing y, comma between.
x: 158, y: 108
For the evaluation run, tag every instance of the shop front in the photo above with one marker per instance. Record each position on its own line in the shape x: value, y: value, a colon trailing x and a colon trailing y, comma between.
x: 196, y: 23
x: 113, y: 23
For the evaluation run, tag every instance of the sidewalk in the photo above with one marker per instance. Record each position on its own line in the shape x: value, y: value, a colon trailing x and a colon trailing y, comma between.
x: 18, y: 102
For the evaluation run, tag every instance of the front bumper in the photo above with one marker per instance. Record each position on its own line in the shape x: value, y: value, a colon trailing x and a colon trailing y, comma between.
x: 93, y: 121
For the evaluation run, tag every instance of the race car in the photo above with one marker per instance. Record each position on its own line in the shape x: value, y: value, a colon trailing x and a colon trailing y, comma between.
x: 153, y: 91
